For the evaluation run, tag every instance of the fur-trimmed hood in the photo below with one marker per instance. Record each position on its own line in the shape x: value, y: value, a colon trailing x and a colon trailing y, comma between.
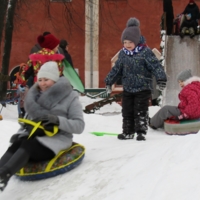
x: 37, y: 103
x: 192, y: 79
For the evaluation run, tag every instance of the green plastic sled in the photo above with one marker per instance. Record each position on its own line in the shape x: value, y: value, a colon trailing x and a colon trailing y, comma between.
x: 70, y: 73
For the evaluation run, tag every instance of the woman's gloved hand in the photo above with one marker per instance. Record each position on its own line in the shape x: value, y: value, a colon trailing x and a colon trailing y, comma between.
x: 49, y: 119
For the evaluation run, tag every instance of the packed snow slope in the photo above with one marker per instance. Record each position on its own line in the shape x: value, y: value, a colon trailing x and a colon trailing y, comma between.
x: 161, y: 168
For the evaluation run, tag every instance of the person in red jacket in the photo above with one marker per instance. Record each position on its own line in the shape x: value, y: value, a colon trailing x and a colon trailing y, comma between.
x: 49, y: 44
x: 189, y: 106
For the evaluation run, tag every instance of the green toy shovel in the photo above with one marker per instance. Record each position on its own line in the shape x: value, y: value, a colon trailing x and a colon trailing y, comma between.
x: 103, y: 133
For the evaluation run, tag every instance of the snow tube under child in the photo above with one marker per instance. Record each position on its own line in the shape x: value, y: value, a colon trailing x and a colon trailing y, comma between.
x: 183, y: 127
x: 65, y: 161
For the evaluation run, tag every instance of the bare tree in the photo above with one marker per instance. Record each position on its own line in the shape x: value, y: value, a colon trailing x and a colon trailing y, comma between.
x: 3, y: 8
x: 7, y: 44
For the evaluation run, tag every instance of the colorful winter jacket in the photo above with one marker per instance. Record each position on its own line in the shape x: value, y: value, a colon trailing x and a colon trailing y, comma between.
x: 18, y: 80
x: 190, y: 98
x: 36, y: 60
x: 136, y: 70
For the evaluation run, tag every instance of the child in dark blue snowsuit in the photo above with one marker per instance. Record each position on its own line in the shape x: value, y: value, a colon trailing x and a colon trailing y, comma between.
x: 135, y: 66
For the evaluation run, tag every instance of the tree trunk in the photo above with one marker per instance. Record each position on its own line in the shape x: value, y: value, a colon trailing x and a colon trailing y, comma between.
x: 3, y: 8
x: 169, y: 15
x: 7, y: 45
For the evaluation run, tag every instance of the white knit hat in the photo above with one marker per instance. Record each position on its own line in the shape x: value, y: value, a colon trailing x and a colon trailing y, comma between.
x: 49, y: 70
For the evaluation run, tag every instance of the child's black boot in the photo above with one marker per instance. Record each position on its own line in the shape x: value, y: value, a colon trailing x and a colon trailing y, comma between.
x: 128, y: 130
x: 125, y: 136
x: 182, y: 35
x: 140, y: 136
x: 192, y: 35
x: 13, y: 165
x: 4, y: 177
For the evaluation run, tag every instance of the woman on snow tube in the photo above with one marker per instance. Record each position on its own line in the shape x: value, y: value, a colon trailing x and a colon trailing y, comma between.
x: 55, y: 107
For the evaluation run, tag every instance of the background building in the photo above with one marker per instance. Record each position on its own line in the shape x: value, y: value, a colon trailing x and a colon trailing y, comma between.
x: 92, y: 28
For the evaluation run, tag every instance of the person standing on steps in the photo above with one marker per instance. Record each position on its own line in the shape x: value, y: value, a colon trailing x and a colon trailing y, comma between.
x: 37, y: 47
x: 49, y: 44
x: 64, y: 46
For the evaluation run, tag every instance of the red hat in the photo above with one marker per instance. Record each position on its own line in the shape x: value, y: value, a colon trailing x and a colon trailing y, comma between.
x: 48, y: 41
x: 191, y: 1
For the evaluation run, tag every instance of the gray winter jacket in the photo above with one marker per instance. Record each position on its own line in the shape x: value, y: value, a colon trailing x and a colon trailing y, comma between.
x: 136, y: 71
x: 59, y: 100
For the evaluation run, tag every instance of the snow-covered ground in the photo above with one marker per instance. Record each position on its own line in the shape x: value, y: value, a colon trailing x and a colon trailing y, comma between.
x: 161, y: 168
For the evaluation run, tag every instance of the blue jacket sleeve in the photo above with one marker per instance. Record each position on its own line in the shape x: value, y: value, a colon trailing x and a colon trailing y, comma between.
x: 154, y: 66
x: 116, y: 72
